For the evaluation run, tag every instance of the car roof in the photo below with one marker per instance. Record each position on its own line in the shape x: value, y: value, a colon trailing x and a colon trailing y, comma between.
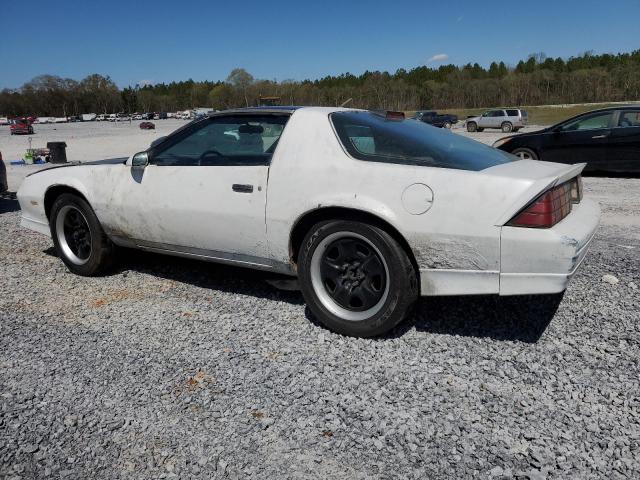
x: 275, y: 109
x: 616, y: 107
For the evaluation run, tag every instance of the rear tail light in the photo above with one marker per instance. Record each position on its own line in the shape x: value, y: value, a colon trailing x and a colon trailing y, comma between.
x: 394, y: 115
x: 576, y: 189
x: 550, y: 207
x: 389, y: 114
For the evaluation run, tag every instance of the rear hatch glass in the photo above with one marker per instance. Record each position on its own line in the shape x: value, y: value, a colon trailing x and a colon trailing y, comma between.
x: 372, y: 137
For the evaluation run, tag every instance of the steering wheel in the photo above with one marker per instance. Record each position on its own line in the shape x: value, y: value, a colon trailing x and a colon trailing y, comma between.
x: 208, y: 153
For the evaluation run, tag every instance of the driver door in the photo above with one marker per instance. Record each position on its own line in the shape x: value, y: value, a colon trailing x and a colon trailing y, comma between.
x: 203, y: 191
x: 585, y: 139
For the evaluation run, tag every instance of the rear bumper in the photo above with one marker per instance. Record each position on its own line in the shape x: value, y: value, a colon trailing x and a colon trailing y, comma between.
x: 544, y: 260
x: 532, y: 261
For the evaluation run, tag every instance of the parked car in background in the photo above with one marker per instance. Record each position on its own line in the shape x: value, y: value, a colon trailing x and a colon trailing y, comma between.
x: 608, y: 140
x: 4, y: 185
x: 74, y: 118
x: 147, y: 126
x: 89, y: 117
x: 102, y: 117
x: 162, y: 116
x: 137, y: 116
x: 507, y: 120
x: 436, y: 119
x: 21, y: 126
x: 4, y: 121
x: 368, y: 209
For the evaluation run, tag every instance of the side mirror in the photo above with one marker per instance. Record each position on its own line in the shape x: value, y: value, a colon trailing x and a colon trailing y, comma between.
x: 140, y: 160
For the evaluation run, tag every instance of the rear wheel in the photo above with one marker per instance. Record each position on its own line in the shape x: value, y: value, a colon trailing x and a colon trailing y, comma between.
x: 472, y: 126
x: 525, y: 154
x: 78, y: 237
x: 447, y: 125
x: 356, y: 279
x: 506, y: 127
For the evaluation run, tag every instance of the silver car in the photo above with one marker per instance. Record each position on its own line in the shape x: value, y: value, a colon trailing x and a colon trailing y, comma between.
x: 507, y: 120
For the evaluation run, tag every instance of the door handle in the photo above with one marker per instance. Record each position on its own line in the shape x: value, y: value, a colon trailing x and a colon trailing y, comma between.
x: 595, y: 137
x: 240, y: 188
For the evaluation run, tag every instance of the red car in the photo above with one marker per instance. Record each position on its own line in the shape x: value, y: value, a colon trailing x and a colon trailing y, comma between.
x: 148, y: 126
x: 21, y: 126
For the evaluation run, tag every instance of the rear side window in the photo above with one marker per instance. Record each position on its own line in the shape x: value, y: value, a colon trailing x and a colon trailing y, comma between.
x: 512, y: 113
x: 629, y: 119
x: 371, y: 137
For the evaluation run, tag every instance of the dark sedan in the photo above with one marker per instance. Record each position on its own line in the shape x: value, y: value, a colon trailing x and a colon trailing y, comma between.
x: 3, y: 176
x: 147, y: 126
x: 608, y: 140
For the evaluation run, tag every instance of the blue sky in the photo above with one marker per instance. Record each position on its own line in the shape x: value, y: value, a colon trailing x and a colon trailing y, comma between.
x: 160, y: 40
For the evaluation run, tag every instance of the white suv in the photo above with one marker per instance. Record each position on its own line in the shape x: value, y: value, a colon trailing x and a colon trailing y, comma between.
x: 507, y: 120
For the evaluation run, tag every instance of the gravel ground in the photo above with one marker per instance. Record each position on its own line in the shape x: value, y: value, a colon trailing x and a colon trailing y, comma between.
x: 176, y: 369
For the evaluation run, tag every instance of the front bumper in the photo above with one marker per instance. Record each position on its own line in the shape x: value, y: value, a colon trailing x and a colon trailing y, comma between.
x: 537, y: 261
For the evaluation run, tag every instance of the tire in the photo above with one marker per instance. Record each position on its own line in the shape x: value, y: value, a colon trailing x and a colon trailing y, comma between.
x: 525, y: 154
x: 506, y: 127
x: 472, y: 126
x: 349, y: 299
x: 447, y: 125
x: 78, y: 237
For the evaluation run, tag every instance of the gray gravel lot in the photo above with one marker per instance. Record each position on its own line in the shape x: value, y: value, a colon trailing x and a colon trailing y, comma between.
x: 176, y: 369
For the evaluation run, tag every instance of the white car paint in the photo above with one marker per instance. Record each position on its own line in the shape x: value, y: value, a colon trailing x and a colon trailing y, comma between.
x: 459, y: 239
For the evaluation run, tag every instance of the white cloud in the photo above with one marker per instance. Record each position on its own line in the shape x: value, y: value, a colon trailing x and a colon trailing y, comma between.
x: 143, y: 83
x: 440, y: 57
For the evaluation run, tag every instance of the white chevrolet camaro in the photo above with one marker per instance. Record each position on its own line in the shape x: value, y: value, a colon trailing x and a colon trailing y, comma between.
x: 368, y: 209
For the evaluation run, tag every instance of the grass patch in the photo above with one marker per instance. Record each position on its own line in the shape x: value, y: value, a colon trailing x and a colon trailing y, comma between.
x: 538, y: 115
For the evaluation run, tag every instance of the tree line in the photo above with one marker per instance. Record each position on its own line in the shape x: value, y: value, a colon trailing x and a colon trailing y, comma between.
x: 538, y: 80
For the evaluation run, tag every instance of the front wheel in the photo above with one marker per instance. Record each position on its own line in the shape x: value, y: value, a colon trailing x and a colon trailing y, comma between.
x: 78, y: 237
x: 356, y: 279
x: 525, y: 154
x: 472, y: 126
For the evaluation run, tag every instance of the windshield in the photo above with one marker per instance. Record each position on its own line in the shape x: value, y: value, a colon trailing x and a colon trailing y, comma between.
x: 369, y: 136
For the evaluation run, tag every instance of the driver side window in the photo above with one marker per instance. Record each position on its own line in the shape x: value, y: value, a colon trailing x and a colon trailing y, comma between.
x: 593, y: 122
x: 229, y: 140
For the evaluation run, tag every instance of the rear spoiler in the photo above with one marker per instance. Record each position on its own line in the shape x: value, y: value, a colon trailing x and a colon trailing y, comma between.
x: 538, y: 187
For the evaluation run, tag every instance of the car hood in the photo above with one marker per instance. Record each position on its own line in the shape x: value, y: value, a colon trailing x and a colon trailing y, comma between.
x: 107, y: 161
x: 502, y: 140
